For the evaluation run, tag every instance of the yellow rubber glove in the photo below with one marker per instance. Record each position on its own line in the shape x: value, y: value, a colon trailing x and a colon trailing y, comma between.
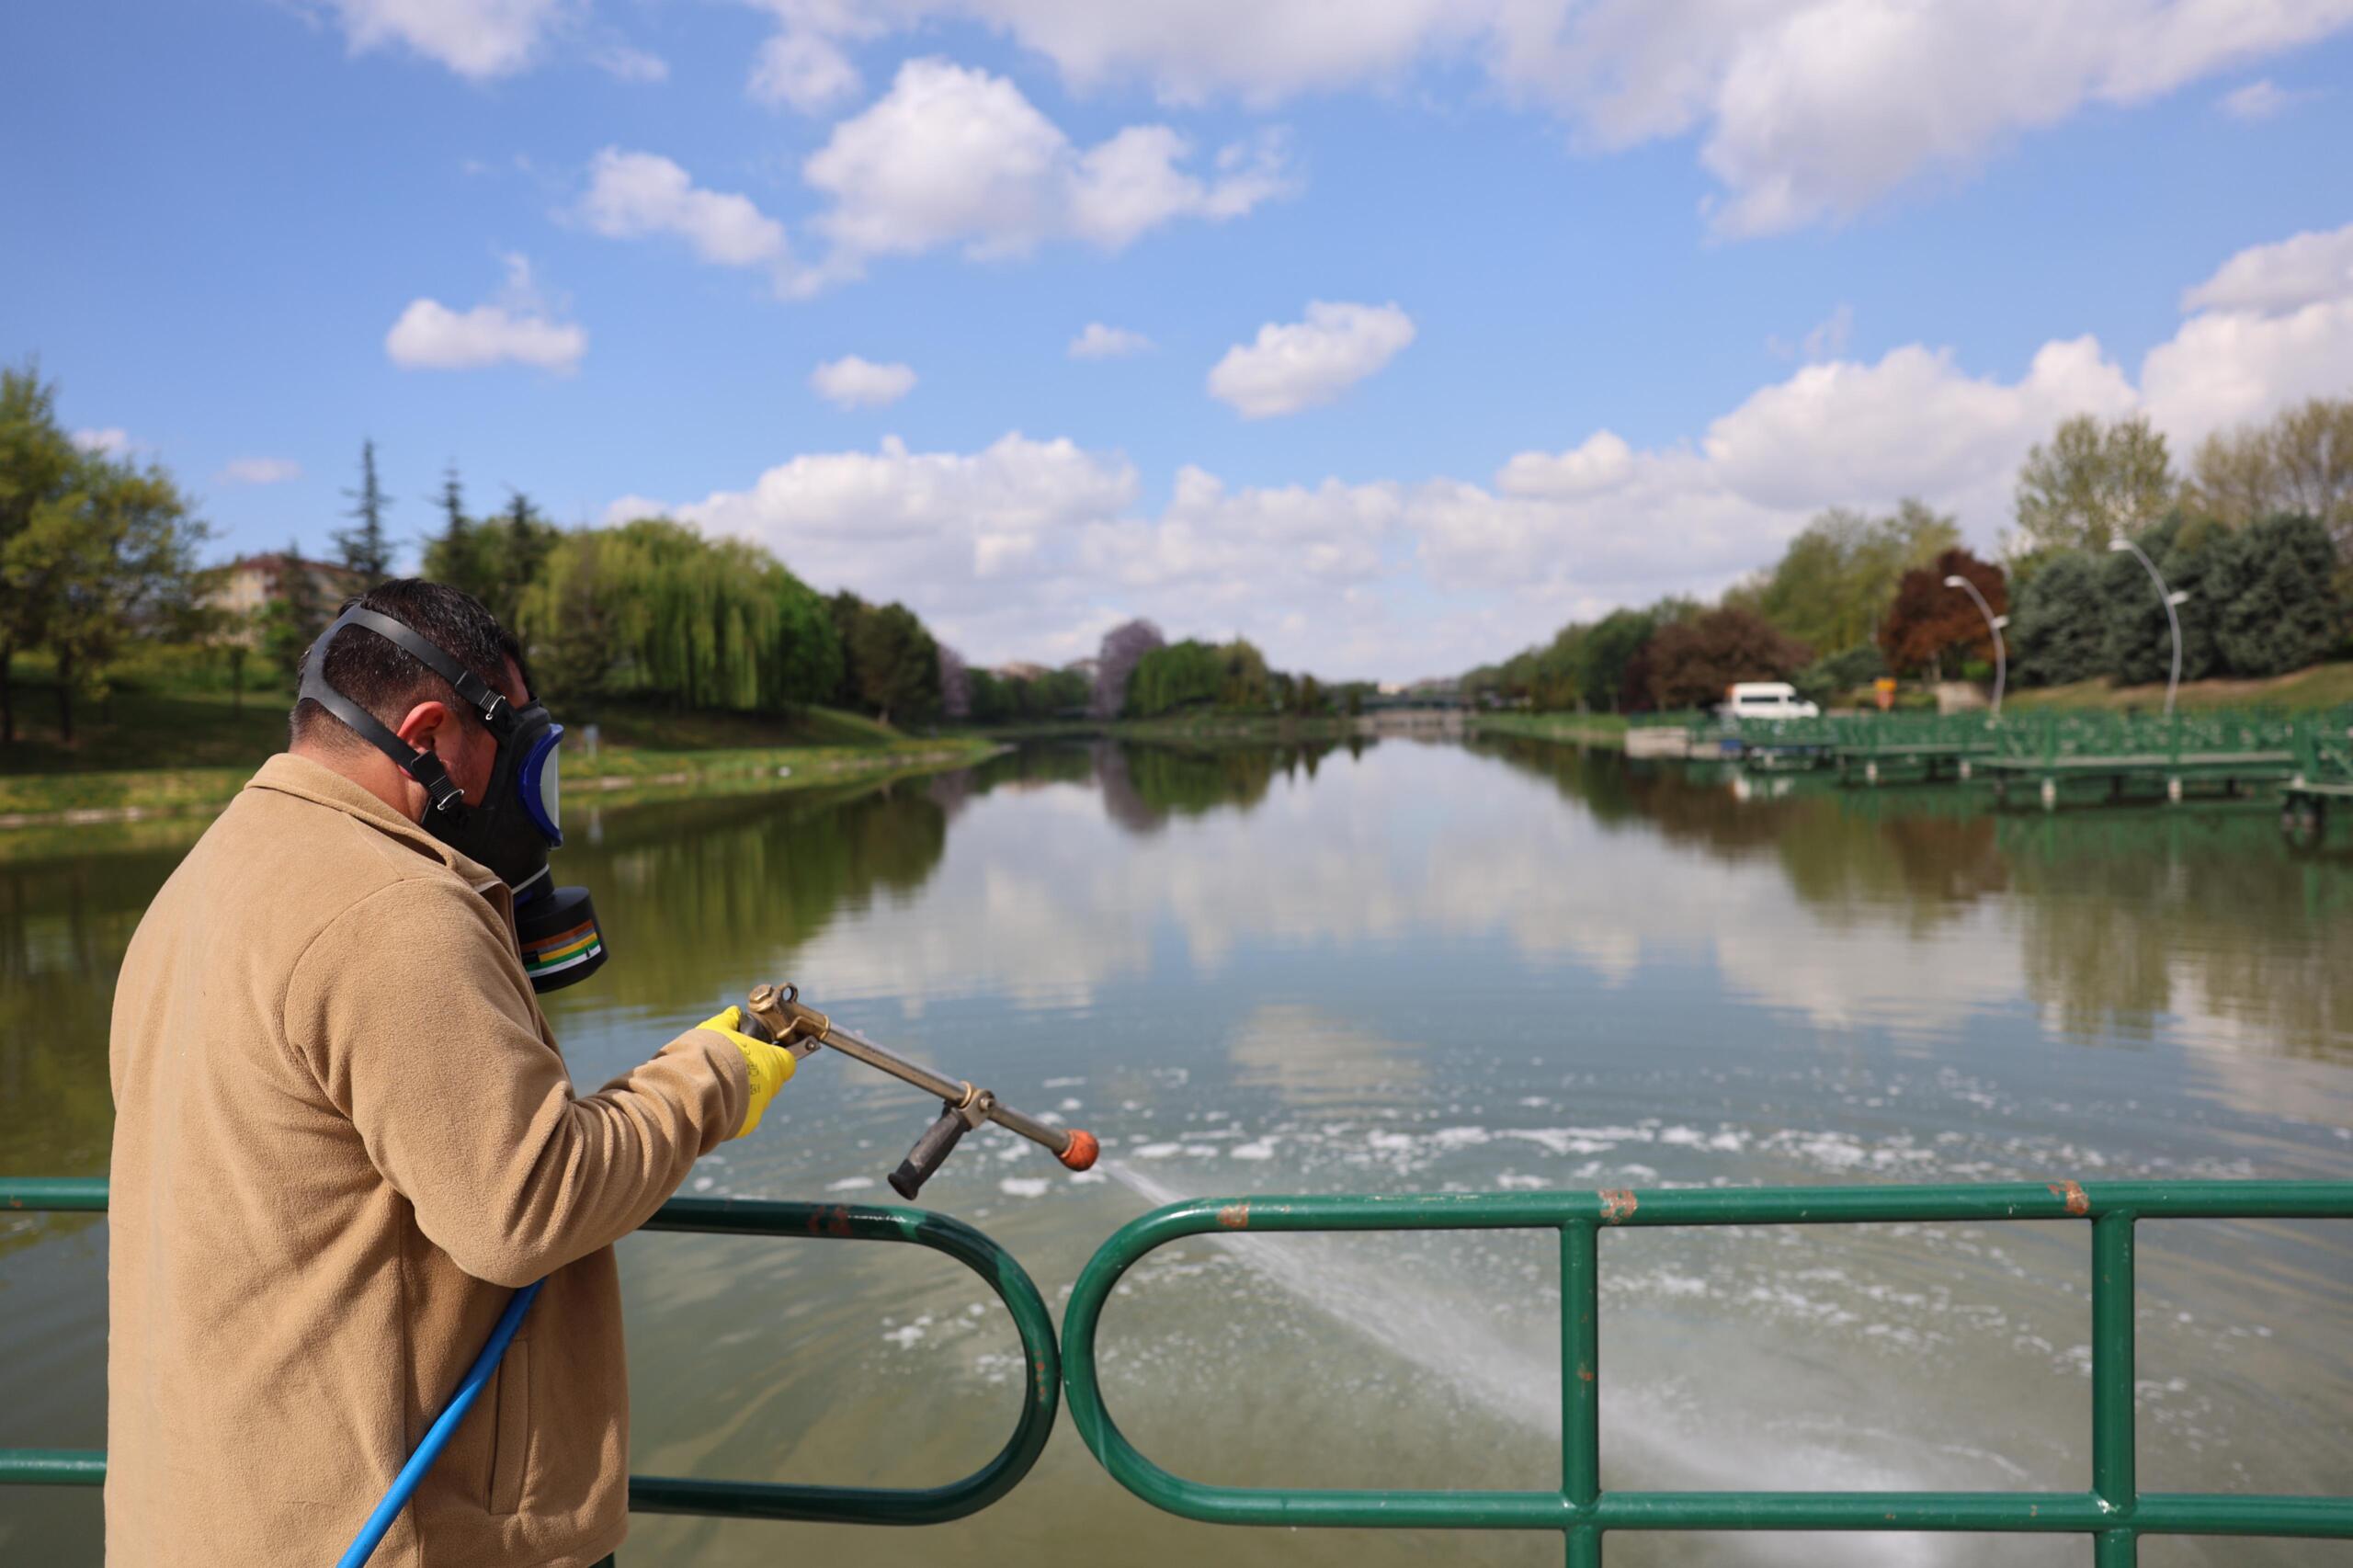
x: 770, y: 1065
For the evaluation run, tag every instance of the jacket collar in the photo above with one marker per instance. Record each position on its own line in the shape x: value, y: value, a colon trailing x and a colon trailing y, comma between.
x: 308, y: 781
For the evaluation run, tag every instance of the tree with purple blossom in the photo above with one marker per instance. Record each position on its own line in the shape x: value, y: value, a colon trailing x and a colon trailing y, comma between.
x: 1123, y: 646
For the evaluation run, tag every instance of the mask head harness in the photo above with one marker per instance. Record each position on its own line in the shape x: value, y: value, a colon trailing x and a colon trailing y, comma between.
x: 517, y: 822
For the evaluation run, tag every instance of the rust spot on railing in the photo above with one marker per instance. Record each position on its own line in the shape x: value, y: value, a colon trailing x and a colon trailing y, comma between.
x: 1235, y: 1216
x: 2073, y: 1191
x: 1617, y: 1203
x: 831, y: 1221
x: 1585, y: 1374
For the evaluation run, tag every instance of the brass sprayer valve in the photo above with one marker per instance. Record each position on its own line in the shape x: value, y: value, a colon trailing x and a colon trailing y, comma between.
x: 776, y: 1014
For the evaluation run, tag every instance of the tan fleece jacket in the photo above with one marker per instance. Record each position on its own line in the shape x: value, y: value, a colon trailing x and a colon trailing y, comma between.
x: 343, y: 1133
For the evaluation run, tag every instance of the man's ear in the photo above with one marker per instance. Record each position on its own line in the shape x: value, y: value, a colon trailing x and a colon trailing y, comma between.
x: 423, y: 723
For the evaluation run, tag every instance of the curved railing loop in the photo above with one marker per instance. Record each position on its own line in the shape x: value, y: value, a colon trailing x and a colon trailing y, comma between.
x: 1041, y: 1396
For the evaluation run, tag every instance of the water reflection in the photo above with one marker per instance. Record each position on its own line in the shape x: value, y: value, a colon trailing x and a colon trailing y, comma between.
x: 686, y: 892
x: 1143, y: 786
x: 1049, y: 870
x: 63, y: 927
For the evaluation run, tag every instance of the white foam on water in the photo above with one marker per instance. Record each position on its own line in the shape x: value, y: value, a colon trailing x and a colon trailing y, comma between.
x: 1459, y: 1343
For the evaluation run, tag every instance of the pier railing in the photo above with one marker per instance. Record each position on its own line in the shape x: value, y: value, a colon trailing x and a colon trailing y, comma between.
x: 2114, y: 1514
x: 1042, y: 1388
x: 2246, y: 740
x: 2232, y: 747
x: 2324, y: 752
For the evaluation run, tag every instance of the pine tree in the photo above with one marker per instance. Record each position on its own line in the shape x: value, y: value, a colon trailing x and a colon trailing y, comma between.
x: 2278, y: 609
x: 458, y: 554
x: 365, y: 549
x: 2058, y: 629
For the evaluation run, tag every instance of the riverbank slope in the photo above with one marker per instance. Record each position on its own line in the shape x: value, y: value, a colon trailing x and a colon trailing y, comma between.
x: 155, y: 754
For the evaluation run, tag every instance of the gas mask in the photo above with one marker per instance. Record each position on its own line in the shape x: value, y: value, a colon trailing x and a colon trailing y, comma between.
x: 517, y: 822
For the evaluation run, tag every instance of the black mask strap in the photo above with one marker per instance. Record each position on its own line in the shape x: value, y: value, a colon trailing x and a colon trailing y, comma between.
x: 474, y: 691
x: 424, y: 766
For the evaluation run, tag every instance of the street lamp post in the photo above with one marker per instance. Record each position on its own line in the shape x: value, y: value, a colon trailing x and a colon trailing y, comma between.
x: 1994, y: 624
x: 2173, y: 619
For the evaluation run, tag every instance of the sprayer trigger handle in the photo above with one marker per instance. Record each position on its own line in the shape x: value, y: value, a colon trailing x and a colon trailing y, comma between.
x: 931, y: 1152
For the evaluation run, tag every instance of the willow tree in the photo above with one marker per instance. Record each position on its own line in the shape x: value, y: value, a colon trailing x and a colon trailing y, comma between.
x: 654, y: 611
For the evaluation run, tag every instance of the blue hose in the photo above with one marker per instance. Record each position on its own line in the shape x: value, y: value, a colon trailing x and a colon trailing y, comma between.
x: 436, y: 1437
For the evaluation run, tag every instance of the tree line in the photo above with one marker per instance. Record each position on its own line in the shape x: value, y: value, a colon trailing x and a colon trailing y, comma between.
x: 2258, y: 534
x: 1139, y: 674
x: 97, y: 559
x: 98, y: 562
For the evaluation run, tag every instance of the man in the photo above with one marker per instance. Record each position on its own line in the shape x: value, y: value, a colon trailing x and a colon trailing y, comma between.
x: 344, y: 1135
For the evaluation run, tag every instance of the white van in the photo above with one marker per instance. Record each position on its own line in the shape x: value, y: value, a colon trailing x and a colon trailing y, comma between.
x: 1766, y: 700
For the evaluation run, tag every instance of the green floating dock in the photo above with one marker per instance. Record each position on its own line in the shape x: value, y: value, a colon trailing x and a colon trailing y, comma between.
x: 2309, y: 756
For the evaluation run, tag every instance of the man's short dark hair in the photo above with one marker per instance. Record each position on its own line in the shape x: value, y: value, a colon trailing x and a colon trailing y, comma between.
x: 385, y: 681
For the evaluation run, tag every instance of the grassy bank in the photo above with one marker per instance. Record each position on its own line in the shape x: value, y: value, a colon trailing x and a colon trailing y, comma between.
x: 616, y: 776
x: 151, y: 754
x: 2304, y: 690
x: 1589, y: 728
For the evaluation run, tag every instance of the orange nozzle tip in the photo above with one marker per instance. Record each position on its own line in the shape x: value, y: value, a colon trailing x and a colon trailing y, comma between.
x: 1083, y: 1149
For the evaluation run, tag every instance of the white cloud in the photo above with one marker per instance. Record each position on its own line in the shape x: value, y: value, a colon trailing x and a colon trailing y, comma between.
x: 1029, y: 549
x: 518, y: 327
x: 805, y: 70
x: 2225, y: 368
x: 2273, y: 325
x: 2262, y: 99
x: 934, y: 525
x: 1297, y: 365
x: 624, y: 63
x: 1215, y: 546
x: 951, y: 155
x: 1820, y: 107
x: 112, y: 441
x: 631, y: 194
x: 476, y: 39
x: 1100, y: 342
x: 429, y: 336
x: 2304, y: 270
x: 1805, y: 111
x: 1827, y: 339
x: 1603, y: 463
x: 853, y: 383
x: 259, y: 471
x: 1033, y: 548
x: 1912, y: 422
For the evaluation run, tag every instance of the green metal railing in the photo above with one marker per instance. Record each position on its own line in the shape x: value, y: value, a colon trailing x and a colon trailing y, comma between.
x: 2241, y: 742
x: 2324, y: 753
x: 2115, y: 1512
x: 734, y: 1499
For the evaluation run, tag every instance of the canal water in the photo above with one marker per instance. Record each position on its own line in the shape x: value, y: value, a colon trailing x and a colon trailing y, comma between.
x: 1395, y: 968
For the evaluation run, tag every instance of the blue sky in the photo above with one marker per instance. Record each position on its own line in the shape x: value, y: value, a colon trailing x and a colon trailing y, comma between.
x: 1605, y: 312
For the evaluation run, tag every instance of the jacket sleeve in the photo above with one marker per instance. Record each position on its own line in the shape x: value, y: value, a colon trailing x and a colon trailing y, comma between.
x: 412, y: 1012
